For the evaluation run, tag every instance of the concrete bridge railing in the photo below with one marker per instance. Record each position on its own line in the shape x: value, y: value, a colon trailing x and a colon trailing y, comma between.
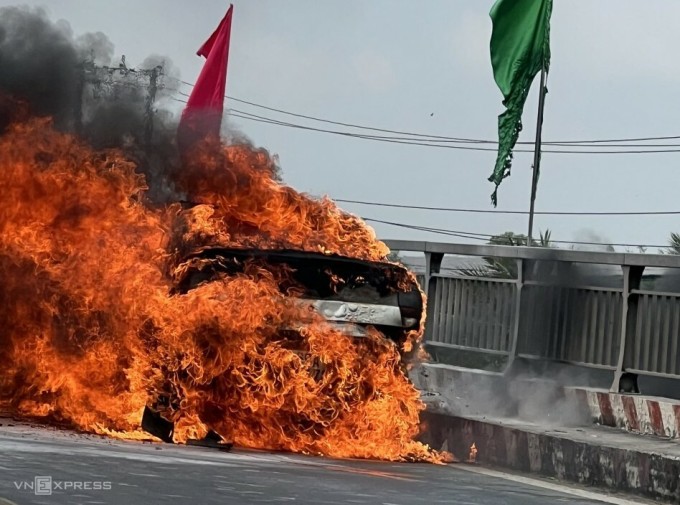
x: 616, y: 312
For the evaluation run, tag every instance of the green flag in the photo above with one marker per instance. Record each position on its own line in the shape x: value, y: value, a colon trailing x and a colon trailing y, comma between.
x: 520, y: 47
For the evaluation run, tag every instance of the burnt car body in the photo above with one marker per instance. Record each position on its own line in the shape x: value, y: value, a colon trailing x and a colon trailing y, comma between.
x: 348, y: 293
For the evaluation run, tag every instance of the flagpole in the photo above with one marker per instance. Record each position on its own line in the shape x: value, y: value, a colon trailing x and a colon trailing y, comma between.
x: 537, y: 156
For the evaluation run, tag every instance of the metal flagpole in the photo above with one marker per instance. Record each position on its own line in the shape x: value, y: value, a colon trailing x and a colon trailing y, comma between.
x: 537, y: 157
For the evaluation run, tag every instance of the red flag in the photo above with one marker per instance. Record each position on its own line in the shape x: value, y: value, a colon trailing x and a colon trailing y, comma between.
x: 203, y: 114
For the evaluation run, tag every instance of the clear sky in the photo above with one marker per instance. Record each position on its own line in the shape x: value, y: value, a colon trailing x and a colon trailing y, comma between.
x: 424, y: 67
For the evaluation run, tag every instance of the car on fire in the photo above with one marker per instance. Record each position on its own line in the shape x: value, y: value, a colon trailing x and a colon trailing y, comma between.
x: 348, y: 293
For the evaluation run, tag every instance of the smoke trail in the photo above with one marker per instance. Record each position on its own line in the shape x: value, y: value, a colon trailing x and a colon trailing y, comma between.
x: 45, y: 68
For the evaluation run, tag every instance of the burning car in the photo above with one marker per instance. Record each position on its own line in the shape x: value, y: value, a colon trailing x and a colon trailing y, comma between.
x: 350, y: 294
x: 256, y: 315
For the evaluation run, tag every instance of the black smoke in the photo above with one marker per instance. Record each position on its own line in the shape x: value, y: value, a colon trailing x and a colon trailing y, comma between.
x: 46, y: 71
x: 38, y: 62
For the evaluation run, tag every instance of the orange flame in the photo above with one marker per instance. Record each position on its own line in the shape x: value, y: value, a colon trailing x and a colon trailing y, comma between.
x: 472, y: 457
x: 91, y: 331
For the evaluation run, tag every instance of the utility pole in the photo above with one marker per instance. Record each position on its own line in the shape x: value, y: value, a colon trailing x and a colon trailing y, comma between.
x: 112, y: 83
x: 78, y: 106
x: 150, y: 99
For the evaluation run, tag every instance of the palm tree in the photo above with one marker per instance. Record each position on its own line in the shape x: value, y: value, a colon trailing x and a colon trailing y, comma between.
x: 544, y: 238
x: 674, y: 242
x: 505, y: 268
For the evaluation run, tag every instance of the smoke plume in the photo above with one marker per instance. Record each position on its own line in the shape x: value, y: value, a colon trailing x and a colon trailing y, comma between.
x: 70, y: 79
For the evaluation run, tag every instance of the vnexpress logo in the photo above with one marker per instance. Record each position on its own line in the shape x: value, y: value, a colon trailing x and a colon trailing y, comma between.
x: 42, y: 485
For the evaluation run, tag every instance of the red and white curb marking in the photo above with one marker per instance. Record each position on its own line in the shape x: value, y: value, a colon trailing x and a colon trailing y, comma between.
x: 640, y: 414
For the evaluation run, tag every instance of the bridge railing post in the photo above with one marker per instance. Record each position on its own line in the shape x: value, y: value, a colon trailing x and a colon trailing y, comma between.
x: 433, y: 265
x: 632, y: 277
x: 519, y: 284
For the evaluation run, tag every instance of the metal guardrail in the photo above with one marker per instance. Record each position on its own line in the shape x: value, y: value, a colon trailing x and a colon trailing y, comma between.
x: 654, y: 343
x: 548, y: 313
x: 472, y: 313
x: 572, y: 325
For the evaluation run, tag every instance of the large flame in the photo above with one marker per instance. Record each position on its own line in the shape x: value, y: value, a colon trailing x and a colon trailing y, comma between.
x: 90, y: 329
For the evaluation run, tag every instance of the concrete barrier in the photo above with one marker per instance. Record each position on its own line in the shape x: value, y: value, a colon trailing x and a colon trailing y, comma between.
x: 595, y: 457
x: 635, y: 413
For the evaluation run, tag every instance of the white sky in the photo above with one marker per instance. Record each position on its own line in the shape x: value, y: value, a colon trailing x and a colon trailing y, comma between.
x: 391, y: 64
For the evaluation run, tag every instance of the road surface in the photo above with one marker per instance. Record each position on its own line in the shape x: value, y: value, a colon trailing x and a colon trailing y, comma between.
x: 45, y: 466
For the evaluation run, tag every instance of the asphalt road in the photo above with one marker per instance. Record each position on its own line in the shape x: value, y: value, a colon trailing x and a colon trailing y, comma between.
x: 89, y: 470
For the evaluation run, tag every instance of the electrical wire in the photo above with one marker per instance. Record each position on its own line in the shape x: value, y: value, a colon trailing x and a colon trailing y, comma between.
x: 442, y: 138
x: 395, y: 140
x: 518, y: 212
x: 438, y: 141
x: 486, y: 236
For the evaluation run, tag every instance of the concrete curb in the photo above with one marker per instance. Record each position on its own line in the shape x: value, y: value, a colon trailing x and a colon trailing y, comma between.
x: 576, y: 455
x: 635, y: 413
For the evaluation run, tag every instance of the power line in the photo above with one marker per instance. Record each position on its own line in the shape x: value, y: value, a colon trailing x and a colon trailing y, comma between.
x: 486, y: 236
x: 340, y: 123
x: 395, y: 140
x: 474, y: 236
x: 263, y: 119
x: 433, y: 141
x: 267, y: 120
x: 520, y: 212
x: 443, y: 138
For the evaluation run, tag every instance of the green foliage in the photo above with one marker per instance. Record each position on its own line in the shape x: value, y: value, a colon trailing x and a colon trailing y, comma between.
x: 506, y: 268
x: 674, y: 242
